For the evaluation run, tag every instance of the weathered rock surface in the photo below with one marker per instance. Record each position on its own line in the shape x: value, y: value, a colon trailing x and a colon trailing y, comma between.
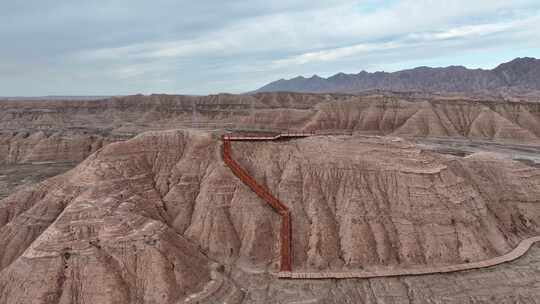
x: 150, y: 220
x: 16, y: 176
x: 71, y: 130
x: 496, y: 121
x: 516, y: 282
x: 86, y: 237
x: 35, y: 147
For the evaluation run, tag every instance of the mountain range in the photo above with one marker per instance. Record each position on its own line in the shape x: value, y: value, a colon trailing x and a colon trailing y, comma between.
x: 522, y: 74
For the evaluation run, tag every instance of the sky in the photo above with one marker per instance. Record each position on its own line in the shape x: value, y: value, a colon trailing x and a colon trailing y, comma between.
x: 120, y: 47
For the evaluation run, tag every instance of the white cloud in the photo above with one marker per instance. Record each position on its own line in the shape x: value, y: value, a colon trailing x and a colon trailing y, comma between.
x: 337, y: 53
x: 268, y: 40
x: 408, y: 41
x: 343, y: 28
x: 468, y: 31
x: 155, y: 50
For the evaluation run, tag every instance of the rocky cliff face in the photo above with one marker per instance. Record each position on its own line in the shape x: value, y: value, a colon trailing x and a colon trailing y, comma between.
x: 97, y: 235
x: 520, y: 74
x: 70, y: 130
x: 39, y: 146
x: 160, y: 219
x: 492, y: 121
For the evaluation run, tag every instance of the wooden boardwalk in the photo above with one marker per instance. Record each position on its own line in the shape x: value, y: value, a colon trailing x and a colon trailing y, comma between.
x: 277, y: 206
x: 241, y: 137
x: 286, y: 228
x: 514, y: 254
x: 280, y: 208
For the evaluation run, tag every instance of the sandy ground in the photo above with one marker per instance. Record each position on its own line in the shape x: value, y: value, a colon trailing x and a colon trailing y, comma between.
x: 529, y: 154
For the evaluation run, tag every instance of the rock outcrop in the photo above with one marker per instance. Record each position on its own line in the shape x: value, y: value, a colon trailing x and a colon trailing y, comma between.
x: 473, y: 120
x: 160, y: 219
x: 32, y: 131
x: 39, y: 146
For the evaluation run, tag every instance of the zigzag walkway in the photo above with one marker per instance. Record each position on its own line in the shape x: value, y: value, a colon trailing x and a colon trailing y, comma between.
x: 277, y: 206
x: 280, y: 208
x: 286, y: 228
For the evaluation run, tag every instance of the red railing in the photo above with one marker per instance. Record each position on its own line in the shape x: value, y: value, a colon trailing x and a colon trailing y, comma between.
x: 281, y: 209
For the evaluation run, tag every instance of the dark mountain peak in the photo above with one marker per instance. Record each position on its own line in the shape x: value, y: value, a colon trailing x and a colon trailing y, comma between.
x: 427, y: 68
x: 519, y: 63
x: 455, y: 67
x: 339, y: 76
x: 519, y: 73
x: 521, y: 60
x: 515, y: 71
x: 422, y: 67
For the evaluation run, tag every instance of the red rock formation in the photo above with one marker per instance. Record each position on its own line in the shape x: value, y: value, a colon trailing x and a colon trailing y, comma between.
x: 456, y: 117
x: 30, y: 147
x: 144, y: 221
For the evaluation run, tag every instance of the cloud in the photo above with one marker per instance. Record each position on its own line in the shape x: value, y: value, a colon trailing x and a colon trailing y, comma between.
x: 209, y: 46
x: 407, y: 41
x: 155, y: 50
x: 467, y: 31
x: 337, y: 53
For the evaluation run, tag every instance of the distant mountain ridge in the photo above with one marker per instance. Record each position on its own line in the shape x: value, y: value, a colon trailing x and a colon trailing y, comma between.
x: 520, y: 73
x: 55, y: 97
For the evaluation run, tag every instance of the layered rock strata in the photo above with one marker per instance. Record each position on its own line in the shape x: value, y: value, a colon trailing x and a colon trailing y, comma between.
x: 160, y: 218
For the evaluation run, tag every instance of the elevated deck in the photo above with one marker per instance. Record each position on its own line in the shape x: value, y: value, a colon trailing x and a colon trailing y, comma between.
x: 265, y: 137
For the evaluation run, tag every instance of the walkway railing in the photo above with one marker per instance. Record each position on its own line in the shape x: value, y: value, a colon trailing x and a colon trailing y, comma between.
x: 512, y: 255
x: 277, y: 206
x: 286, y: 228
